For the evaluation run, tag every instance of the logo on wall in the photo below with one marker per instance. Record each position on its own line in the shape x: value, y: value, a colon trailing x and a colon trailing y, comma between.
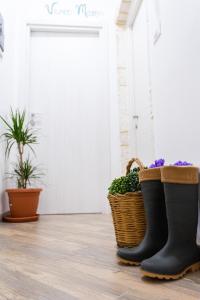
x: 80, y: 10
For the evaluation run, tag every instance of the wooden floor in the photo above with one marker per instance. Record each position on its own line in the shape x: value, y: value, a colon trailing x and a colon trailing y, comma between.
x: 73, y: 257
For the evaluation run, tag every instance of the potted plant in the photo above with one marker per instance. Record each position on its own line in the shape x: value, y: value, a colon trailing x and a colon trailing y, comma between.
x: 127, y: 207
x: 23, y: 200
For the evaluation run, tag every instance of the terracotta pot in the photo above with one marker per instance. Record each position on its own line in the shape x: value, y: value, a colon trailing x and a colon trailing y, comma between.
x: 23, y: 202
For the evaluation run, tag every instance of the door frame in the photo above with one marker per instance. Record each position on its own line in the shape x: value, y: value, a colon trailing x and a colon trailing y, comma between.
x: 24, y: 102
x: 133, y: 13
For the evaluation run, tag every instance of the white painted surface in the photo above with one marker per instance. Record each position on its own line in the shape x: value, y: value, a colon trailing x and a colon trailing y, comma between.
x: 12, y: 67
x: 7, y: 85
x: 175, y: 66
x: 175, y: 80
x: 142, y: 108
x: 133, y: 11
x: 175, y: 73
x: 69, y: 90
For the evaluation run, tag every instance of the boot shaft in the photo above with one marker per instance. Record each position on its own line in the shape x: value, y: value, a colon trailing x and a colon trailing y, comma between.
x: 154, y: 203
x: 181, y: 199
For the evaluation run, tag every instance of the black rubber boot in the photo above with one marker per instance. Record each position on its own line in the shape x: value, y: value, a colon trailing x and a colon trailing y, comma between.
x: 156, y: 222
x: 181, y: 253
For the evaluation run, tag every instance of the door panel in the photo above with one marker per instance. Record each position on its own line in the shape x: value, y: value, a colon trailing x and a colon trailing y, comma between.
x: 69, y: 102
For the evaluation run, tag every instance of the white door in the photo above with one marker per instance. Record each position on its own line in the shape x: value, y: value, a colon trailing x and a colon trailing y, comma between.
x: 68, y: 94
x: 143, y: 110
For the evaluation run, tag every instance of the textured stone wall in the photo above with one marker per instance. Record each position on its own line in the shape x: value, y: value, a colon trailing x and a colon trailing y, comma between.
x: 124, y: 96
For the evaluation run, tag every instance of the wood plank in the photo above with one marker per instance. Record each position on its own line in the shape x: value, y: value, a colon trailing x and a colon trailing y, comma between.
x: 73, y: 257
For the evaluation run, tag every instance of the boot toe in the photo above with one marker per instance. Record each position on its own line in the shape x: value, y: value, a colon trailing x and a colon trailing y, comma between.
x: 126, y: 253
x: 150, y: 265
x: 159, y: 264
x: 169, y: 265
x: 162, y: 265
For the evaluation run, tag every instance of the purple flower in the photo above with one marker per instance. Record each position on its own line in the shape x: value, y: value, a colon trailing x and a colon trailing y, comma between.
x: 158, y: 163
x: 182, y: 163
x: 152, y: 166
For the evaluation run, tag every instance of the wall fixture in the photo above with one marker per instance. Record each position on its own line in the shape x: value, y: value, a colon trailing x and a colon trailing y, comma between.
x: 1, y: 33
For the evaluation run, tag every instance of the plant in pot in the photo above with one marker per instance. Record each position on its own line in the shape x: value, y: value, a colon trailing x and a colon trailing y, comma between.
x: 127, y: 207
x: 23, y: 200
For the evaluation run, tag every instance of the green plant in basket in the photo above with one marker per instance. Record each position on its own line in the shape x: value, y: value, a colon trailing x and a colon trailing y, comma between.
x: 125, y: 184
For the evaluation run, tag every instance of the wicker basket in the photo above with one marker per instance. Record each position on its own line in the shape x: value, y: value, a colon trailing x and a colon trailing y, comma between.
x: 128, y: 215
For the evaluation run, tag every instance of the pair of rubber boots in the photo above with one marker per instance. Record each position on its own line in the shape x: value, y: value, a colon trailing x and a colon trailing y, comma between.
x: 169, y: 249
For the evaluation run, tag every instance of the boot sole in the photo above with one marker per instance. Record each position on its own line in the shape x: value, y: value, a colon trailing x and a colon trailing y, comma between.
x: 193, y: 268
x: 128, y: 262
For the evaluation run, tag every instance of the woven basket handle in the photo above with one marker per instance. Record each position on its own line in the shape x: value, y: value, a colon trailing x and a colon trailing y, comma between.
x: 134, y: 160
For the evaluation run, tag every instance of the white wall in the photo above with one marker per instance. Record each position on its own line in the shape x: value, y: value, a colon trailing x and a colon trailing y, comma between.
x: 175, y: 78
x: 175, y: 70
x: 16, y: 15
x: 175, y: 73
x: 8, y: 89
